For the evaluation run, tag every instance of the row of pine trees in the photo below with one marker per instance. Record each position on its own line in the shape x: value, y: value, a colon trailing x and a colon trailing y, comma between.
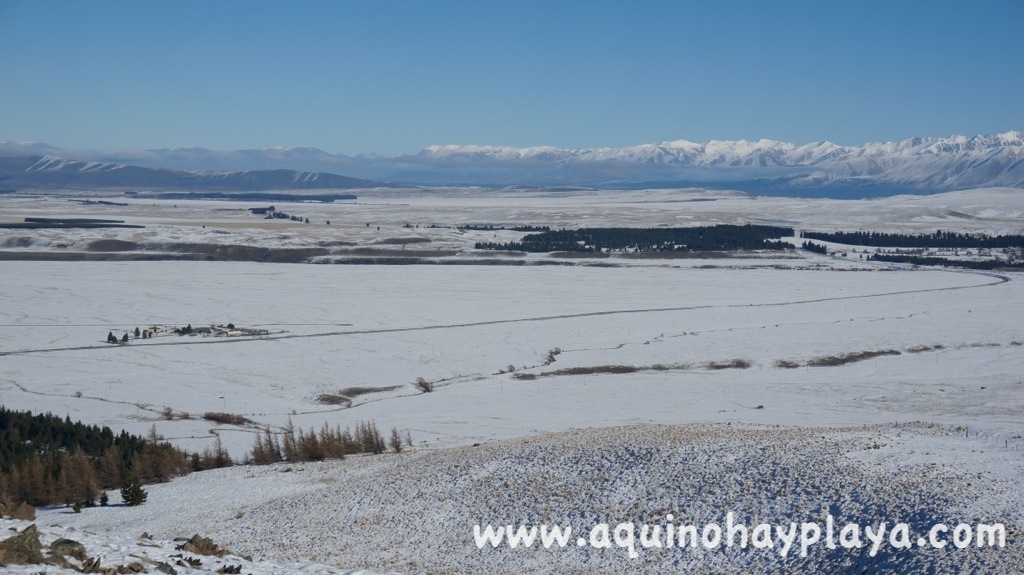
x: 939, y: 239
x: 294, y: 444
x: 698, y: 238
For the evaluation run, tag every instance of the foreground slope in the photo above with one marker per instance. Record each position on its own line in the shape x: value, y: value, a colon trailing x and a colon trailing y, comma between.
x: 415, y: 512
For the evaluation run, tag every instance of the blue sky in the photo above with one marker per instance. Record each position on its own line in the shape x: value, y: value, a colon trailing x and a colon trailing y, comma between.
x: 392, y: 77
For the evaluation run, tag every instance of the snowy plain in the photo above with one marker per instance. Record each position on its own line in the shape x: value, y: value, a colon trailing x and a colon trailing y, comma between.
x: 954, y: 343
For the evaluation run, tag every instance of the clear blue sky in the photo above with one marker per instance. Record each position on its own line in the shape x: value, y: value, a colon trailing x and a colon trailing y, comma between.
x: 392, y: 77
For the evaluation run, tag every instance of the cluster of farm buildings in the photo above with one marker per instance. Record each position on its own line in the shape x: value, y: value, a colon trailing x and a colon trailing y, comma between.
x: 229, y: 330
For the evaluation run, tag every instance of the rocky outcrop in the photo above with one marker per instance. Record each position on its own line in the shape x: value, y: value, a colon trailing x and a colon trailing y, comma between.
x: 22, y: 511
x: 68, y: 548
x: 202, y: 546
x: 22, y: 549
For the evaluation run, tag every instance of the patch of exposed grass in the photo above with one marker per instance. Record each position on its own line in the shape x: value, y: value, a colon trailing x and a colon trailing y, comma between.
x: 345, y: 396
x: 333, y: 399
x: 226, y: 418
x: 353, y: 392
x: 980, y: 344
x: 786, y: 364
x: 845, y: 358
x: 669, y: 366
x: 623, y: 369
x: 727, y: 364
x: 923, y: 348
x: 112, y: 246
x: 594, y: 370
x: 404, y: 241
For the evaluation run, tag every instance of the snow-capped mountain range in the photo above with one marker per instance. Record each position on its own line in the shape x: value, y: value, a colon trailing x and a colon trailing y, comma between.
x: 916, y: 163
x: 761, y: 153
x: 919, y: 165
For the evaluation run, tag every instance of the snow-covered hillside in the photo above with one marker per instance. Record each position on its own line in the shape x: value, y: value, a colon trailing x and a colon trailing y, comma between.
x: 414, y: 512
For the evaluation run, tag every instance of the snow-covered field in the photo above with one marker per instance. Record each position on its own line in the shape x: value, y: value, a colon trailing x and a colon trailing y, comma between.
x: 336, y: 327
x: 647, y: 344
x: 355, y: 224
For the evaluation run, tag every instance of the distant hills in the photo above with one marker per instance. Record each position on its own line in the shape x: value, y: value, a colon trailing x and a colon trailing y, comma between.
x: 54, y: 172
x: 914, y: 165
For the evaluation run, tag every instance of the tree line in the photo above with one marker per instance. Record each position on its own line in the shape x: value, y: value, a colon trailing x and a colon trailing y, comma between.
x: 946, y: 262
x: 701, y: 238
x: 492, y: 228
x: 47, y: 460
x: 939, y: 239
x: 813, y: 247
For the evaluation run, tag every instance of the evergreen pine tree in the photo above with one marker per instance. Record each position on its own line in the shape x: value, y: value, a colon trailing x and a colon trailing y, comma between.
x: 132, y: 493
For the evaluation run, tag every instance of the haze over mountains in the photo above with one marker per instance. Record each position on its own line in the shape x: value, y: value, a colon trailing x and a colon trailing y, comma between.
x: 914, y: 165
